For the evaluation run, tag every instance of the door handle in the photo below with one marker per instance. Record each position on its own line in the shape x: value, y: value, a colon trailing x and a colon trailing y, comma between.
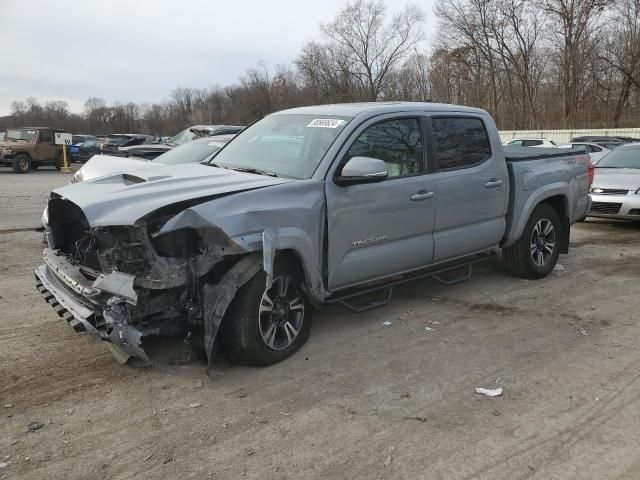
x: 493, y: 183
x: 422, y: 195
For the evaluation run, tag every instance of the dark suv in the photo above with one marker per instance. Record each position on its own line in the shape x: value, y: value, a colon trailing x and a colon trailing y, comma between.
x: 27, y: 148
x: 114, y: 141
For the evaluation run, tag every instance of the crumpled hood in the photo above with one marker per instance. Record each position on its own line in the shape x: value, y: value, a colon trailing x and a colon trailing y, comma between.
x: 621, y: 178
x: 123, y: 198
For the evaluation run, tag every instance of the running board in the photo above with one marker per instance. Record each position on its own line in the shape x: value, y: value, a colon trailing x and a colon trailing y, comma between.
x: 363, y: 307
x: 449, y: 277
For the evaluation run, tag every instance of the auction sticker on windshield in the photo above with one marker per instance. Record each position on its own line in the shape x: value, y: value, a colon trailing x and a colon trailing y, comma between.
x: 325, y: 123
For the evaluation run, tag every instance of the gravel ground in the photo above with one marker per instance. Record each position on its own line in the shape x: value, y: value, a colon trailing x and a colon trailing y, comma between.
x: 24, y: 196
x: 360, y: 399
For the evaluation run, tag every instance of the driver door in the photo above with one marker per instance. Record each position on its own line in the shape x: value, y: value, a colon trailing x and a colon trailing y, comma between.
x: 376, y: 230
x: 45, y: 149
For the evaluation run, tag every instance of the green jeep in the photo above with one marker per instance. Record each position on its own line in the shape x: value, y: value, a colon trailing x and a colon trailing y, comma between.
x: 27, y: 148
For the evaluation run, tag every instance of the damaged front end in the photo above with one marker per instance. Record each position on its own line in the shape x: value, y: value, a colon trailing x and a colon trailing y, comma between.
x: 123, y: 284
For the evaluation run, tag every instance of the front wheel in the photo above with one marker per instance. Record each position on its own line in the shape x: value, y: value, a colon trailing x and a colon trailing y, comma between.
x: 536, y: 253
x: 266, y: 325
x: 21, y: 163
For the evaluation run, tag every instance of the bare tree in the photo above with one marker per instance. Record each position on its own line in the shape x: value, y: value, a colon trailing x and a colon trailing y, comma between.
x: 574, y: 22
x: 361, y: 38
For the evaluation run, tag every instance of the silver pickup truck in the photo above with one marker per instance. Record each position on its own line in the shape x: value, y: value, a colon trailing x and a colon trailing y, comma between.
x: 309, y: 206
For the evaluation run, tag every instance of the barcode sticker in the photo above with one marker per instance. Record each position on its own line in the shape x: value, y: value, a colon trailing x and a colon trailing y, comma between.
x: 325, y: 123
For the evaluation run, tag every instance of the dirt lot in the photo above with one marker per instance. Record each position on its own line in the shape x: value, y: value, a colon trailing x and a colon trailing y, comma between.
x: 23, y: 197
x: 361, y: 399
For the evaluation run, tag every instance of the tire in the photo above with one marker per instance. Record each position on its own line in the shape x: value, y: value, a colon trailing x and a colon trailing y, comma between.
x: 536, y: 253
x: 21, y: 163
x: 35, y: 165
x: 247, y: 333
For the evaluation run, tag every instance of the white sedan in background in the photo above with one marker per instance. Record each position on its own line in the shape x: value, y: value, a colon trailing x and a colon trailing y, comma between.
x: 596, y: 152
x: 531, y: 142
x: 615, y: 192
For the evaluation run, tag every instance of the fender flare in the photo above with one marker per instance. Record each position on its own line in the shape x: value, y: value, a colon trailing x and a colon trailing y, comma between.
x: 552, y: 190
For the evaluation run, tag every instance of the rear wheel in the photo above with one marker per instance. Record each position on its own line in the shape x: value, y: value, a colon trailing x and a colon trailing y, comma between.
x: 536, y: 253
x: 21, y: 163
x: 266, y: 325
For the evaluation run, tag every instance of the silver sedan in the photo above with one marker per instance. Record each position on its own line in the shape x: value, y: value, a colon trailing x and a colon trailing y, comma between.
x: 615, y: 192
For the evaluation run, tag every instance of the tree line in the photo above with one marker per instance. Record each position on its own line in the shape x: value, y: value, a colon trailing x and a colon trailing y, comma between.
x: 532, y: 64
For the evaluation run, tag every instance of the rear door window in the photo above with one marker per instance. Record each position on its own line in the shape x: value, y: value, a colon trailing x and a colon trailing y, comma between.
x: 531, y: 143
x: 460, y: 142
x: 45, y: 136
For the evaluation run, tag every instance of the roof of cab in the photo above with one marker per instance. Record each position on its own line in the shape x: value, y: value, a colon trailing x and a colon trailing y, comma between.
x: 378, y: 108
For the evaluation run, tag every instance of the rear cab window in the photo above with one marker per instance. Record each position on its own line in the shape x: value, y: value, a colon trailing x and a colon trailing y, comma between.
x: 459, y: 142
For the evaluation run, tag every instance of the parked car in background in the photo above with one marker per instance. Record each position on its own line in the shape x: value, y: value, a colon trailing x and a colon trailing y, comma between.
x: 199, y: 131
x: 27, y: 148
x: 530, y: 142
x: 314, y: 205
x: 609, y: 142
x: 595, y: 151
x: 200, y: 150
x: 85, y: 150
x: 78, y: 139
x: 615, y: 192
x: 151, y: 151
x: 2, y: 136
x: 113, y: 142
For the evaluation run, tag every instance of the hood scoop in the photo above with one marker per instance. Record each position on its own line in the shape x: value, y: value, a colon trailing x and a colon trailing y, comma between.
x: 129, y: 179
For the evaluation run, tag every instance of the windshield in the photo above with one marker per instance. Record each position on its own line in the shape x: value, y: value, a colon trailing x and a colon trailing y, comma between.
x: 21, y: 134
x: 287, y: 145
x: 621, y: 158
x: 190, y: 153
x: 184, y: 136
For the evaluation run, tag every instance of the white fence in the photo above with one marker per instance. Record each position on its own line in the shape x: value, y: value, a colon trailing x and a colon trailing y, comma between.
x: 565, y: 136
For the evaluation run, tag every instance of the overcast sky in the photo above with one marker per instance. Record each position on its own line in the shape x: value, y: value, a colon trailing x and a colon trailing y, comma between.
x: 140, y: 50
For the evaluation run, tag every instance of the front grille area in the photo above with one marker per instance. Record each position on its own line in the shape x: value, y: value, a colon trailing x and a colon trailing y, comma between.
x: 605, y: 207
x: 609, y: 191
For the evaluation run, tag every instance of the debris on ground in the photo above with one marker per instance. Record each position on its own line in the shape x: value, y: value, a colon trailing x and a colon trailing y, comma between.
x: 489, y: 392
x: 199, y: 385
x: 582, y: 331
x: 249, y: 451
x: 3, y: 465
x: 419, y: 419
x: 195, y: 405
x: 168, y: 459
x: 387, y: 462
x: 387, y: 323
x: 33, y: 426
x: 428, y: 329
x: 8, y: 405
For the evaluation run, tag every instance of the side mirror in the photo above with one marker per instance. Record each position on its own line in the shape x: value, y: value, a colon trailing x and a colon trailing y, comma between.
x: 362, y: 170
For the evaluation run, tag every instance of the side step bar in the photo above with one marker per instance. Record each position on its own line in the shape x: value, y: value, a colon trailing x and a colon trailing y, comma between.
x: 447, y: 275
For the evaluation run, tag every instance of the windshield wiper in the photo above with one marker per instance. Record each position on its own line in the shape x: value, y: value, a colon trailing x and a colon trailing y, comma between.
x: 253, y: 170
